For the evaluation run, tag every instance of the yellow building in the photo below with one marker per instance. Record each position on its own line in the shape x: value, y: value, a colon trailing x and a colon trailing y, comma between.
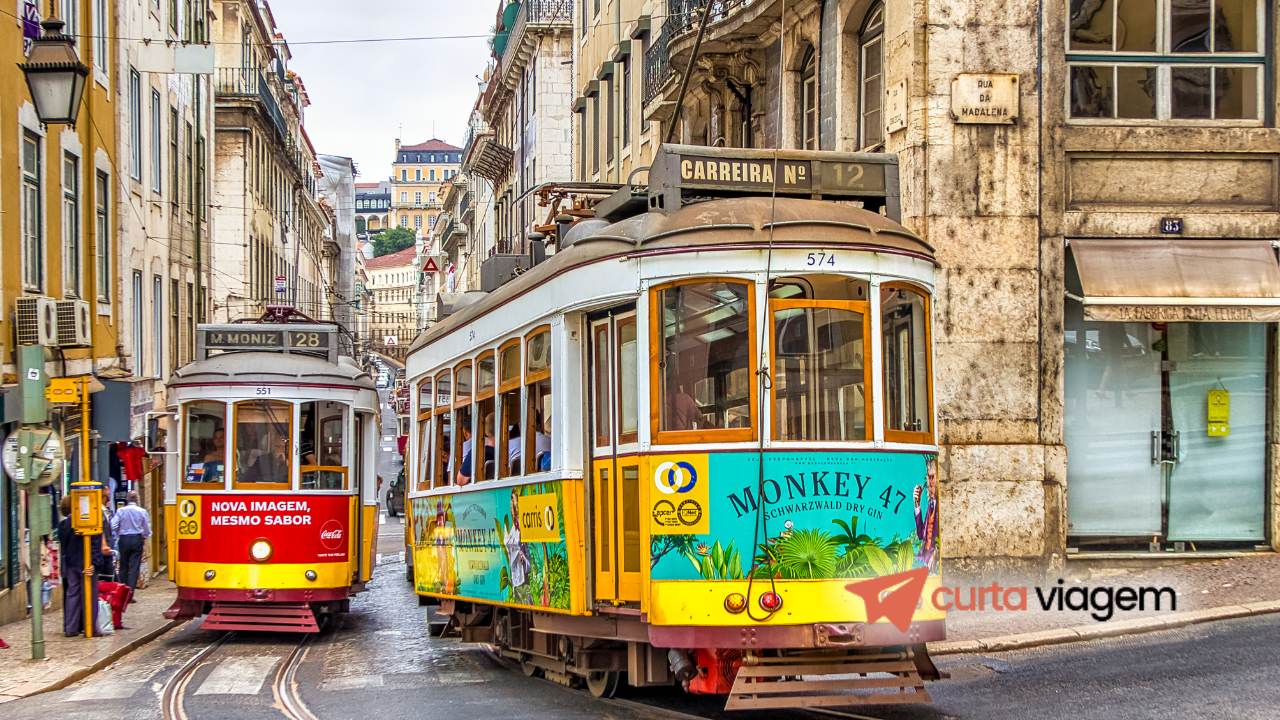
x: 417, y: 175
x: 58, y: 278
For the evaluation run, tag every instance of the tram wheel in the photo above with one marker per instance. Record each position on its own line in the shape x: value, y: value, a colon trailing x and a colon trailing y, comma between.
x: 528, y: 668
x: 604, y: 683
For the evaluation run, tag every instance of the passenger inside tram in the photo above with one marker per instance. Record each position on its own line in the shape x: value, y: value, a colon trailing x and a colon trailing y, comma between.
x: 205, y: 442
x: 215, y: 457
x: 465, y: 471
x: 264, y: 431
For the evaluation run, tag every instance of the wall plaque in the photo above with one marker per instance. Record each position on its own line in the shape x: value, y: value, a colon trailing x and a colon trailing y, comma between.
x: 895, y: 107
x: 985, y: 98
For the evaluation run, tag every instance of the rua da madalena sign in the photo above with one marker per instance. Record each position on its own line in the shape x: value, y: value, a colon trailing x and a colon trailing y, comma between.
x: 985, y: 98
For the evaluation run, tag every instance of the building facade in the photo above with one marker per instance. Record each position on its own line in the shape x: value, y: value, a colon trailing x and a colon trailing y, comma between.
x: 393, y: 318
x: 417, y: 175
x: 1071, y: 163
x: 337, y: 190
x: 373, y: 208
x: 269, y: 226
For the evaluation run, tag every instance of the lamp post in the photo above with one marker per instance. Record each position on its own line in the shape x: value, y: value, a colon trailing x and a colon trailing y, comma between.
x: 55, y: 76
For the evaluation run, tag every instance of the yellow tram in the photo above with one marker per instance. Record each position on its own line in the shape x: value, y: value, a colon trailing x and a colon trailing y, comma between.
x: 270, y: 502
x: 703, y: 440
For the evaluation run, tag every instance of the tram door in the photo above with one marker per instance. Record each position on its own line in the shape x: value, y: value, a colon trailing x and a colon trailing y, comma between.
x: 615, y: 476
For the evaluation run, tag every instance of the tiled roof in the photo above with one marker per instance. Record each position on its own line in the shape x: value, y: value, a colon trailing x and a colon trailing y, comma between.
x: 366, y: 186
x: 395, y: 259
x: 432, y: 144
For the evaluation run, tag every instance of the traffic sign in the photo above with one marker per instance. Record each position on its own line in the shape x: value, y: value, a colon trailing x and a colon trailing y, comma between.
x: 63, y: 390
x: 280, y: 281
x: 430, y: 265
x: 34, y: 455
x: 390, y: 340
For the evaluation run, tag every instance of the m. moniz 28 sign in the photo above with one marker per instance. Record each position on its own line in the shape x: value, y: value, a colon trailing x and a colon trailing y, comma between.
x: 312, y: 339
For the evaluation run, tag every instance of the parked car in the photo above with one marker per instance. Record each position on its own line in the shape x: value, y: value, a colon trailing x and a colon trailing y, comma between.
x: 395, y: 496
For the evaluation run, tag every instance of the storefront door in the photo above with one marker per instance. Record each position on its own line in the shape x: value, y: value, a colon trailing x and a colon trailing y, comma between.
x: 1149, y: 454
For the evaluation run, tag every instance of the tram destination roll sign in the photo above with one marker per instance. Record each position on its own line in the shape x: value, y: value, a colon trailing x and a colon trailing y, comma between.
x: 298, y: 338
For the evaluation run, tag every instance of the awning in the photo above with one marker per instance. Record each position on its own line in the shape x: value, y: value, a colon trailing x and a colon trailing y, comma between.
x: 1178, y: 280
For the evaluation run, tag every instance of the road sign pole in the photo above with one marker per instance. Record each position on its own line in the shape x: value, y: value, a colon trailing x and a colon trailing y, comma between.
x: 86, y: 587
x: 36, y: 528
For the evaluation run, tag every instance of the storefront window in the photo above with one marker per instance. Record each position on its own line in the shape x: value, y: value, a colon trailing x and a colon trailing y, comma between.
x: 205, y: 446
x: 263, y: 444
x: 704, y: 368
x: 904, y: 328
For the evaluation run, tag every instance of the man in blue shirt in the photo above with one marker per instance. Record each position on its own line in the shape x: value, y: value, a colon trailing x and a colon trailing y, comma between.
x: 131, y: 525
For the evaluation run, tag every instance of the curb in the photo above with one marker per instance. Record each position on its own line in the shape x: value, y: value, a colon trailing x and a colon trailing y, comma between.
x: 1082, y: 633
x: 81, y: 673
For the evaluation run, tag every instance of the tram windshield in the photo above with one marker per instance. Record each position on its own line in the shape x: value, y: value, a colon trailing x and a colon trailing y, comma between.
x: 263, y: 452
x: 705, y: 364
x: 205, y: 448
x: 323, y: 434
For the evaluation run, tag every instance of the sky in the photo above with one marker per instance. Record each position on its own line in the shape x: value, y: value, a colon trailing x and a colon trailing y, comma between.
x: 365, y: 94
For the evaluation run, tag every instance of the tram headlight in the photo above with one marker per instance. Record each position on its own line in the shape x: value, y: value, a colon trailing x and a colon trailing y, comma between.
x: 310, y: 575
x: 260, y: 550
x: 735, y: 602
x: 209, y: 575
x: 770, y: 601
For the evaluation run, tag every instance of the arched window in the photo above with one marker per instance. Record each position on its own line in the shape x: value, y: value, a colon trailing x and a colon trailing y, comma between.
x: 871, y: 79
x: 808, y: 97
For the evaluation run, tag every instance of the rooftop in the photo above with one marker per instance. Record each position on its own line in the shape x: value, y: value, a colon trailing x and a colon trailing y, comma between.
x: 395, y: 259
x: 432, y: 144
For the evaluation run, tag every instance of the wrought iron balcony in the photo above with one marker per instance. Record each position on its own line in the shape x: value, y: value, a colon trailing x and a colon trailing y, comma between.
x: 243, y: 83
x: 534, y: 16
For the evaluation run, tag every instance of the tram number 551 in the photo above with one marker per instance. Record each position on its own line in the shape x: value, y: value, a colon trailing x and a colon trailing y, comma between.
x: 818, y: 259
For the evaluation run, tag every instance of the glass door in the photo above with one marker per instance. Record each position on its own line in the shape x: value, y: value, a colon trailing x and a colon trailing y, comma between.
x: 1113, y: 428
x: 616, y: 492
x: 1218, y: 410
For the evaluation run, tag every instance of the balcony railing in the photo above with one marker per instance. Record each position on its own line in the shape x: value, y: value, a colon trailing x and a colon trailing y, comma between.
x: 657, y: 67
x: 246, y: 83
x: 536, y: 14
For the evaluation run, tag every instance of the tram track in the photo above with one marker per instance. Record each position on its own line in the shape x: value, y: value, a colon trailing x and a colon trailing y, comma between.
x: 284, y: 686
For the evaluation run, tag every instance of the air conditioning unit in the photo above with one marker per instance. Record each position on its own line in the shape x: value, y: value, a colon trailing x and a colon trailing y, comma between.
x: 75, y: 324
x: 37, y: 320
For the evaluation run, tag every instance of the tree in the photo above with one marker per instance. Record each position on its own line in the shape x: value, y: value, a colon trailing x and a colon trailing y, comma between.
x: 361, y: 225
x: 393, y: 240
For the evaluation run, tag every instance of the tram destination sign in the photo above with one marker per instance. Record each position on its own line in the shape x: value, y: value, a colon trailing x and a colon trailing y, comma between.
x: 682, y: 171
x: 312, y: 339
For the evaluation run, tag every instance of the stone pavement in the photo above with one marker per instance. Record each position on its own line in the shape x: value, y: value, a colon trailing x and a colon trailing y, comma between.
x: 1204, y: 590
x: 70, y: 659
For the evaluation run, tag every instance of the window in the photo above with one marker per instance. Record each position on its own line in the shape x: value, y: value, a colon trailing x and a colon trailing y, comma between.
x: 442, y: 421
x: 189, y: 156
x: 138, y: 320
x: 625, y: 89
x: 204, y: 446
x: 582, y: 144
x: 417, y: 173
x: 431, y: 222
x: 157, y: 159
x: 703, y: 372
x: 904, y: 327
x: 509, y: 407
x: 611, y: 111
x: 263, y: 444
x: 417, y: 198
x: 189, y: 324
x: 157, y: 325
x: 174, y: 327
x: 70, y: 15
x: 102, y: 233
x: 101, y: 32
x: 32, y: 216
x: 173, y: 16
x: 463, y: 443
x: 486, y: 404
x: 628, y: 381
x: 135, y: 124
x: 808, y: 96
x: 404, y: 221
x: 595, y: 133
x: 431, y: 197
x: 322, y: 429
x: 404, y: 196
x: 871, y: 79
x: 404, y: 177
x: 71, y: 250
x: 417, y: 222
x: 600, y: 398
x: 433, y: 174
x: 200, y: 178
x: 421, y: 476
x: 820, y: 371
x: 1181, y: 60
x: 537, y: 418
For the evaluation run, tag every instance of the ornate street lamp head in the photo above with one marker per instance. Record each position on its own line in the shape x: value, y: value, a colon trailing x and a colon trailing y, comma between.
x: 55, y: 75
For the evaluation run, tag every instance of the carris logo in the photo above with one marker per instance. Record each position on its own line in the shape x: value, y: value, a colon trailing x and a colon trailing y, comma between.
x: 331, y: 535
x: 675, y: 477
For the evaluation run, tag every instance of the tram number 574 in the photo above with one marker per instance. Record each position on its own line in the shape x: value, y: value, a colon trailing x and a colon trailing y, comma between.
x: 817, y: 259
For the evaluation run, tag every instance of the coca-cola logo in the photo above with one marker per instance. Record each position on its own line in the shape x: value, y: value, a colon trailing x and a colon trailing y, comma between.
x: 331, y: 535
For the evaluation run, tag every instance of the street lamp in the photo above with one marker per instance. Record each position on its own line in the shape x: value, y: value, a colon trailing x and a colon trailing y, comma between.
x: 55, y: 75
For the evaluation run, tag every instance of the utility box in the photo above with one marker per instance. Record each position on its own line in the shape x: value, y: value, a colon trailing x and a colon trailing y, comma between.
x: 498, y: 270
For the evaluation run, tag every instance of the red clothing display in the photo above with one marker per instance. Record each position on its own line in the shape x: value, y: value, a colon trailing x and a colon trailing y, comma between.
x: 130, y: 461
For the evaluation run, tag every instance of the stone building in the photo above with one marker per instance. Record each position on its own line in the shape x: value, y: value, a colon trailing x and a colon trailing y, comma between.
x: 1099, y: 182
x: 269, y: 231
x: 373, y: 204
x: 417, y: 173
x: 521, y: 132
x: 393, y: 283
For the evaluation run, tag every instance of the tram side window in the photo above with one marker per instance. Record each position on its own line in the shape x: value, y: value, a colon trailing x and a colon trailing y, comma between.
x: 537, y: 379
x: 485, y: 405
x: 704, y: 369
x: 509, y: 401
x: 323, y: 435
x: 628, y: 381
x: 442, y: 429
x: 263, y: 443
x: 904, y: 324
x: 819, y: 371
x: 422, y: 478
x: 462, y: 412
x: 206, y: 443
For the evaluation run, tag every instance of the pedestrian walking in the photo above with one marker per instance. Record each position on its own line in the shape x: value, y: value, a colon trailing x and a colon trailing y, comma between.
x: 132, y: 526
x: 73, y: 563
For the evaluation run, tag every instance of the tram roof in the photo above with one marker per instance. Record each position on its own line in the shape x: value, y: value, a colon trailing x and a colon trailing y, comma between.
x: 737, y: 223
x: 273, y: 367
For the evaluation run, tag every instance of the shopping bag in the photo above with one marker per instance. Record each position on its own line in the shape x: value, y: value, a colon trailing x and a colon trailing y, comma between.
x: 103, y: 621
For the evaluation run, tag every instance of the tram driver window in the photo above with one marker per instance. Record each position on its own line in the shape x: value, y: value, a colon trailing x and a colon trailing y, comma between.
x: 263, y: 443
x: 819, y: 370
x: 904, y: 326
x: 206, y: 443
x: 323, y: 434
x: 705, y: 363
